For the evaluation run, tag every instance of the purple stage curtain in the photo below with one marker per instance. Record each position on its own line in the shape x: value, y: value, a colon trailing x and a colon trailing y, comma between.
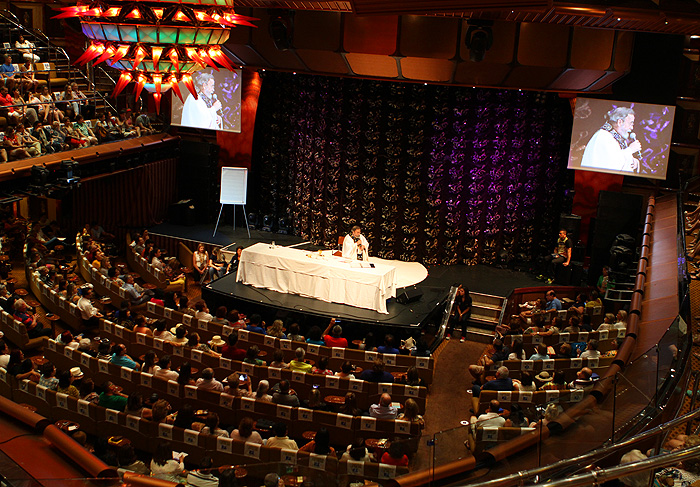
x: 436, y: 174
x: 133, y: 198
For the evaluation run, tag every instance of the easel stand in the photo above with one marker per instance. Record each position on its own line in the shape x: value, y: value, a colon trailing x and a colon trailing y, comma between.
x: 245, y: 217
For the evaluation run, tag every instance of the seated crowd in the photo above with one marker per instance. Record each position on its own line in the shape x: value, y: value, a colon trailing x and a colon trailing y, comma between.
x: 96, y: 243
x: 40, y: 122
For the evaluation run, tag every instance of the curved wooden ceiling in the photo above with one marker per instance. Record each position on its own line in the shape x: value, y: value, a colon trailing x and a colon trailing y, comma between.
x: 537, y: 45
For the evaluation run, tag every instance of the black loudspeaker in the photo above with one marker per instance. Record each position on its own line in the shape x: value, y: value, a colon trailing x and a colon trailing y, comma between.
x: 409, y: 295
x: 572, y: 225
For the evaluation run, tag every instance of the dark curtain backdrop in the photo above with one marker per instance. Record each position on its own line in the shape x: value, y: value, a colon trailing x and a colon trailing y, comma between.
x: 134, y: 198
x: 436, y: 174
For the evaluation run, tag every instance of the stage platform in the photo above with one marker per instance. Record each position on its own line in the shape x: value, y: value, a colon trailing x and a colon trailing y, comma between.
x: 478, y: 278
x: 404, y: 319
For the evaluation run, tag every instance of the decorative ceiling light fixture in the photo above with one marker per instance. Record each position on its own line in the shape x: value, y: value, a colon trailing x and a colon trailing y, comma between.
x: 156, y: 43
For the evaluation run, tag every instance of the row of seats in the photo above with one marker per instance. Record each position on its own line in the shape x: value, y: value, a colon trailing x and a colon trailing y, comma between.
x: 147, y: 435
x: 231, y: 409
x: 367, y: 392
x: 528, y: 399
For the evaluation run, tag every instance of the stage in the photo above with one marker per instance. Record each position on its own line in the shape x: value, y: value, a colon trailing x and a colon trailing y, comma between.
x: 270, y: 304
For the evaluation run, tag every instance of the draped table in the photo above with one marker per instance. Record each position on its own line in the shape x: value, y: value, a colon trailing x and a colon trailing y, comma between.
x: 317, y: 275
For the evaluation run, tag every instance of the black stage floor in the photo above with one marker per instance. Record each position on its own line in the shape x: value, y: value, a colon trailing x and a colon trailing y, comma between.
x: 226, y: 291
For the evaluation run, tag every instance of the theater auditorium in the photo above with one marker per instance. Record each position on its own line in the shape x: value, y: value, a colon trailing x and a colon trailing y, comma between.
x: 343, y: 243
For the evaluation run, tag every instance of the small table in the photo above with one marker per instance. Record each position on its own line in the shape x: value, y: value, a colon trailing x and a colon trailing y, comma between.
x: 357, y: 343
x: 67, y: 426
x: 21, y: 292
x: 33, y: 303
x: 149, y: 286
x: 308, y: 435
x: 38, y: 361
x: 266, y: 431
x: 337, y: 400
x: 291, y: 480
x: 398, y: 375
x: 4, y: 258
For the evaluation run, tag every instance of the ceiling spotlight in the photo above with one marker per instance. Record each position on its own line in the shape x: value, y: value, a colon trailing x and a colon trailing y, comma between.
x: 479, y: 39
x: 281, y: 28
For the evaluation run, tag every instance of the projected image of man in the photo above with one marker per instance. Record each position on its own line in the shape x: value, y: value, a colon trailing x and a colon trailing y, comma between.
x: 614, y: 146
x: 202, y: 112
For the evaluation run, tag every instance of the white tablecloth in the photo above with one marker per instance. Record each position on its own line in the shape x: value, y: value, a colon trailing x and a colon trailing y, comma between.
x: 325, y: 277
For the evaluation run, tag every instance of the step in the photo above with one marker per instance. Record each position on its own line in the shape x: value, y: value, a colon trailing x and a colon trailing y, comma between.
x: 487, y: 299
x: 486, y: 314
x: 481, y: 335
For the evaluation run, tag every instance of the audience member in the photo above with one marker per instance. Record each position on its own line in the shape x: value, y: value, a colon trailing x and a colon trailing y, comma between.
x: 246, y: 433
x: 384, y: 409
x: 377, y: 373
x: 298, y: 364
x: 281, y: 440
x: 285, y: 395
x: 335, y: 339
x: 208, y: 382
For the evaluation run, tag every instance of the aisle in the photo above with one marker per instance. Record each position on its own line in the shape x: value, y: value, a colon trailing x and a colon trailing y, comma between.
x: 448, y: 403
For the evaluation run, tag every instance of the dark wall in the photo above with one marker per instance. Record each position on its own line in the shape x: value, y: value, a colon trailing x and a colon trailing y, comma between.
x: 434, y: 174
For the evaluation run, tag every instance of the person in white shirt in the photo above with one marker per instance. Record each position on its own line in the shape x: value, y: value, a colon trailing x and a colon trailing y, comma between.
x: 88, y: 312
x: 207, y: 381
x: 614, y: 146
x: 4, y: 354
x: 355, y: 245
x: 26, y: 48
x: 492, y: 416
x: 281, y: 440
x: 591, y: 350
x: 383, y: 410
x: 164, y: 372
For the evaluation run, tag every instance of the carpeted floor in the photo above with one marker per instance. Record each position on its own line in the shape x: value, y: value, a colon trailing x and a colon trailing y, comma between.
x: 448, y: 404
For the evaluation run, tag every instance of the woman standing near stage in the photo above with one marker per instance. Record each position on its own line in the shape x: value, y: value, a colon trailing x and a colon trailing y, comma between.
x: 461, y: 311
x: 200, y: 260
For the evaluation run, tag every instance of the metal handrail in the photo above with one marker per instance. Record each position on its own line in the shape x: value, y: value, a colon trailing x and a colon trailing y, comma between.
x: 598, y: 477
x: 517, y: 478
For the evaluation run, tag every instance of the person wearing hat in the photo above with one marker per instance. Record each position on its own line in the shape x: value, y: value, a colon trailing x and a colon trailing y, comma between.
x: 544, y: 377
x: 85, y: 346
x: 216, y: 342
x: 554, y: 383
x: 180, y: 333
x: 208, y: 382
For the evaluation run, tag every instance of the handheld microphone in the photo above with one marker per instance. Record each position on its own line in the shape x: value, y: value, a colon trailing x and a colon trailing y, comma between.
x: 638, y: 154
x: 218, y: 112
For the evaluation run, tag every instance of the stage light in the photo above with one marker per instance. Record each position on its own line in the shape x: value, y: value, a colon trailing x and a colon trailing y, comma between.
x: 283, y: 225
x: 267, y: 223
x: 479, y: 39
x: 40, y: 175
x: 253, y: 220
x: 281, y: 28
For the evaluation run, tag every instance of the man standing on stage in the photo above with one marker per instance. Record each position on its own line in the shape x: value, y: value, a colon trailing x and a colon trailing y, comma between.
x: 355, y: 245
x: 612, y: 147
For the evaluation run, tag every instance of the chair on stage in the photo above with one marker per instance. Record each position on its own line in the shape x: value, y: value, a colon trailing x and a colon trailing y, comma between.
x: 339, y: 252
